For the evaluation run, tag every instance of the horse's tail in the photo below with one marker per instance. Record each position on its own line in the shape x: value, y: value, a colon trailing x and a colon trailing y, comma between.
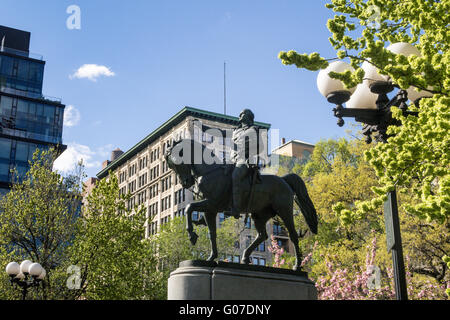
x: 303, y: 200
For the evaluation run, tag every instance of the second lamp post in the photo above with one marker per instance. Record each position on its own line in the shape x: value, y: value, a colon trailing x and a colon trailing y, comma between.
x: 369, y: 104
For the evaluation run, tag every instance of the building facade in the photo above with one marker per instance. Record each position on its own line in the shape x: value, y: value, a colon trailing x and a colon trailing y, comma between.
x: 143, y: 172
x: 295, y: 148
x: 29, y: 120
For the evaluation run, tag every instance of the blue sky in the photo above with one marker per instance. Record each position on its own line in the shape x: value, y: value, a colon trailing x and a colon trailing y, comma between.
x: 163, y: 55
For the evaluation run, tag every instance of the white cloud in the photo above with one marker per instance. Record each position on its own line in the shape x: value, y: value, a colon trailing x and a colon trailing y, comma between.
x: 71, y: 116
x: 92, y: 72
x: 92, y: 159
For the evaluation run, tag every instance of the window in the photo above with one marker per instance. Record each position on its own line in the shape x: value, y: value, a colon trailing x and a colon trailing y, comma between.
x: 277, y: 229
x: 221, y: 218
x: 306, y: 154
x: 261, y: 247
x: 5, y: 148
x: 6, y: 105
x: 23, y: 69
x: 22, y: 151
x: 248, y: 241
x: 4, y: 171
x: 154, y: 228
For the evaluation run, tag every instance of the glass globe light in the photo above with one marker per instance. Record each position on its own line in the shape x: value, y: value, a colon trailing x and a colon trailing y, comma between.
x: 35, y: 269
x: 371, y: 73
x: 404, y: 48
x: 362, y: 98
x: 24, y: 266
x: 20, y: 276
x: 327, y: 85
x: 407, y: 49
x: 414, y: 93
x: 42, y: 275
x: 13, y: 269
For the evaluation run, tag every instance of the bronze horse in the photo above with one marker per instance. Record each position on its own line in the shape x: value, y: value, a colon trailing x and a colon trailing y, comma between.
x: 271, y: 196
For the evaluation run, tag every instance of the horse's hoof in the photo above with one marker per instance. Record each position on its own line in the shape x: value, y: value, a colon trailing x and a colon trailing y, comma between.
x: 193, y: 238
x: 211, y: 258
x: 245, y: 261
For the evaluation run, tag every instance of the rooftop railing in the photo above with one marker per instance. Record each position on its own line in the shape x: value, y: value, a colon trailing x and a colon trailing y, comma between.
x: 28, y: 94
x: 26, y: 54
x: 31, y: 135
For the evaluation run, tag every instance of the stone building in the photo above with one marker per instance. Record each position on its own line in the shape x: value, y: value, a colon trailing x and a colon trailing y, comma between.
x: 294, y: 148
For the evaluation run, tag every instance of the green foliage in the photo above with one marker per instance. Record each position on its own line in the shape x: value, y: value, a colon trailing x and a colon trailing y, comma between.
x: 416, y: 159
x: 339, y: 173
x: 115, y: 260
x: 38, y: 222
x: 311, y: 62
x: 173, y: 245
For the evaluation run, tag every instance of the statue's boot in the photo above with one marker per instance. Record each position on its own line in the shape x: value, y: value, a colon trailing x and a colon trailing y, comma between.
x: 235, y: 210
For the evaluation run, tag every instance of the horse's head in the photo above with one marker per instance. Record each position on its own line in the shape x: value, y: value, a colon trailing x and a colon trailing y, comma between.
x: 175, y: 161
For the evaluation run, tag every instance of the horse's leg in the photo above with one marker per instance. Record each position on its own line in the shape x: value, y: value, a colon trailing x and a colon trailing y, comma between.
x: 194, y: 206
x: 211, y: 223
x: 285, y: 212
x: 201, y: 222
x: 260, y: 225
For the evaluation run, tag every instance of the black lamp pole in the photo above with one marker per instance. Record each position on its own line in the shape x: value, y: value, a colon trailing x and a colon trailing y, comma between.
x: 25, y: 283
x: 377, y: 121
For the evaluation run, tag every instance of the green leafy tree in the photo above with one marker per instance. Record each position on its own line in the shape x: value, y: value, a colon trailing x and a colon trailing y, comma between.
x: 111, y: 256
x: 38, y: 222
x: 342, y: 174
x: 416, y: 157
x: 173, y: 246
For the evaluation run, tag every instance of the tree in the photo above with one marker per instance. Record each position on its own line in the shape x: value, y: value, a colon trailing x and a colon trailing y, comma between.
x: 345, y: 251
x: 111, y: 257
x: 416, y: 157
x: 174, y: 232
x: 38, y: 222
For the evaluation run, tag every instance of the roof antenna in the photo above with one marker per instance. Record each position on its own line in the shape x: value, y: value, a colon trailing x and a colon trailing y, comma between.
x: 224, y: 88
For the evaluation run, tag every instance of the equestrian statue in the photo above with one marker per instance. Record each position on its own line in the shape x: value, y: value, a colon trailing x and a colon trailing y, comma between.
x: 239, y: 188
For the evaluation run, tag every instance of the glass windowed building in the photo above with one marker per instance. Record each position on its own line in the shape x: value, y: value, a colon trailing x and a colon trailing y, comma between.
x: 29, y: 120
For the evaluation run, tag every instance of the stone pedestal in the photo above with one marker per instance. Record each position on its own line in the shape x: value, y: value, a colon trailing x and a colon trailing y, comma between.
x: 201, y: 280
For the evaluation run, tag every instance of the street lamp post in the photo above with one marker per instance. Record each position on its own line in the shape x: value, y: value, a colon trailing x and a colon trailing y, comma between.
x: 369, y: 104
x: 25, y: 275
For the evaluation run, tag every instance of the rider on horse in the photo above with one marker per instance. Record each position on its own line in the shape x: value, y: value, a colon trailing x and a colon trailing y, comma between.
x: 244, y: 155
